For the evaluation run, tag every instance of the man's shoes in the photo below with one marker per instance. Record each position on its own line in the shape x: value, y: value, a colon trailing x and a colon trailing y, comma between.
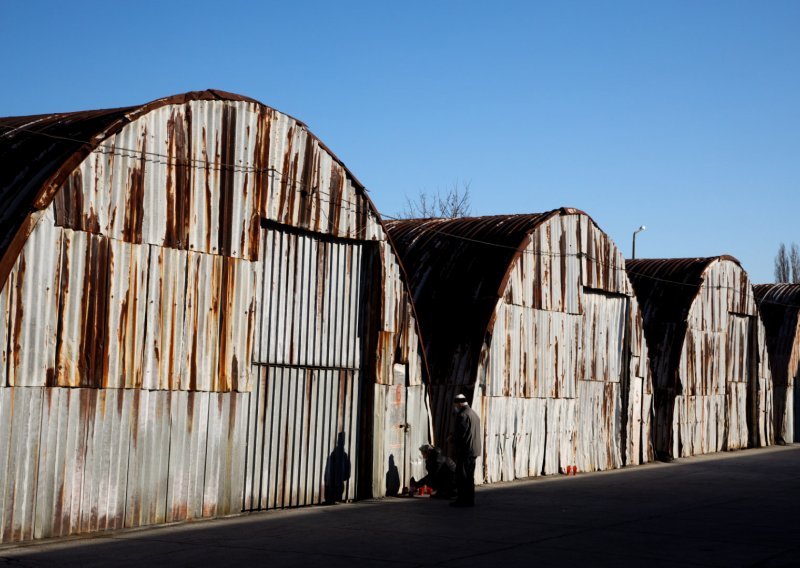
x: 461, y: 504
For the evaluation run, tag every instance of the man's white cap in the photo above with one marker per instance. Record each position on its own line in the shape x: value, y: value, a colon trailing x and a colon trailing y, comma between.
x: 460, y: 399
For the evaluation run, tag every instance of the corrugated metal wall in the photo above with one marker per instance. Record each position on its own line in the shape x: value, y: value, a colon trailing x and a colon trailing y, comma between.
x: 564, y: 379
x: 166, y: 357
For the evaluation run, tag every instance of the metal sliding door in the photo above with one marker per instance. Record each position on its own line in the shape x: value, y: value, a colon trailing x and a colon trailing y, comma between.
x: 303, y: 439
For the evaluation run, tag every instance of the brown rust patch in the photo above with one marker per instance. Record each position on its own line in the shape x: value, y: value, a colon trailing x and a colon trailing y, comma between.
x: 227, y: 177
x: 134, y: 206
x: 179, y: 179
x: 68, y: 202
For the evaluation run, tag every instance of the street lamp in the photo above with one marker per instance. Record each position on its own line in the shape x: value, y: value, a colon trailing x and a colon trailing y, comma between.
x: 637, y: 231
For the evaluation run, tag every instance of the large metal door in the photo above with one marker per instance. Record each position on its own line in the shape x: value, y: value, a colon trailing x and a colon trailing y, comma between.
x: 303, y: 439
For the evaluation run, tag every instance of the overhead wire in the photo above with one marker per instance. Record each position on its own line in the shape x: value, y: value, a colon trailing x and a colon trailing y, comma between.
x: 339, y: 201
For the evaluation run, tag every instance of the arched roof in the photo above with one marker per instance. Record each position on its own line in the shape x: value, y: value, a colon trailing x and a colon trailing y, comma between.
x: 38, y: 153
x: 457, y: 271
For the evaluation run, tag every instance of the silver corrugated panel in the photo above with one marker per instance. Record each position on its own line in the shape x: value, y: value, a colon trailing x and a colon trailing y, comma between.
x: 225, y: 453
x: 149, y: 458
x: 201, y: 324
x: 83, y: 309
x: 32, y: 295
x: 187, y: 458
x: 312, y: 305
x: 418, y: 432
x: 302, y: 438
x: 166, y: 309
x: 21, y: 412
x: 125, y: 336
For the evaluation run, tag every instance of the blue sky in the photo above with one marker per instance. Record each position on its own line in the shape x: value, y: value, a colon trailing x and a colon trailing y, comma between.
x: 683, y: 116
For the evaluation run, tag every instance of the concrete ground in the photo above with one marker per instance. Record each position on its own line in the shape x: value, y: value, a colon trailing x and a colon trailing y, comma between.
x: 735, y: 509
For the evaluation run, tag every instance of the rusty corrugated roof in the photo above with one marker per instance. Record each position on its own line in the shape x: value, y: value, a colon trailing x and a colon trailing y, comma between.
x: 37, y: 154
x: 457, y: 270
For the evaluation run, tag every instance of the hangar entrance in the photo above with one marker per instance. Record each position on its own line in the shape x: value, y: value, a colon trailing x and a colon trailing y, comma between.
x: 304, y: 424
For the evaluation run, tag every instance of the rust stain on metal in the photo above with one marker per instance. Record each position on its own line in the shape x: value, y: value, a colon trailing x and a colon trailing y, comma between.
x: 134, y: 207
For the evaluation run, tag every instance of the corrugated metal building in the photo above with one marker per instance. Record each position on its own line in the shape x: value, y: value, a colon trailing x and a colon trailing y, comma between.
x: 532, y: 317
x: 713, y: 387
x: 780, y: 310
x: 200, y: 314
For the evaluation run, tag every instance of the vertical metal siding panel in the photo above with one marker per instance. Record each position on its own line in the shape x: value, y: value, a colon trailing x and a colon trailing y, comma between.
x: 166, y: 306
x: 236, y: 325
x: 6, y: 444
x: 20, y: 496
x: 94, y: 470
x: 154, y: 223
x: 113, y: 422
x: 201, y: 331
x: 206, y: 148
x: 50, y: 488
x: 189, y: 430
x: 148, y: 462
x: 124, y: 351
x: 215, y: 453
x: 245, y: 202
x: 33, y: 307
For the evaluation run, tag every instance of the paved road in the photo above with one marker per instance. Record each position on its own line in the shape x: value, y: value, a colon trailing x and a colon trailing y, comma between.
x: 736, y: 509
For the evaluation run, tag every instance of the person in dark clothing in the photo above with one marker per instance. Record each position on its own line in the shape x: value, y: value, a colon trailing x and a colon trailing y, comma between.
x: 467, y: 442
x: 441, y: 473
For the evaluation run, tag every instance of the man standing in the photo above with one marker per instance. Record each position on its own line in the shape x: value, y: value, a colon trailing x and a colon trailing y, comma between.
x: 467, y: 441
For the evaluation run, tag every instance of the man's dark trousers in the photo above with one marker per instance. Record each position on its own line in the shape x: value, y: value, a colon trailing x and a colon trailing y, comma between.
x: 465, y: 480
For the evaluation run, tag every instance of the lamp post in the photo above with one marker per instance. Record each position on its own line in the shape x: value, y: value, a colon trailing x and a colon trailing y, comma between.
x: 636, y: 232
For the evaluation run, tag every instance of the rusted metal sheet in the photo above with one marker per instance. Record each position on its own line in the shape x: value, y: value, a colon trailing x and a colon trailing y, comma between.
x: 83, y: 310
x: 713, y: 386
x: 166, y: 312
x: 32, y: 300
x: 779, y: 305
x: 125, y: 337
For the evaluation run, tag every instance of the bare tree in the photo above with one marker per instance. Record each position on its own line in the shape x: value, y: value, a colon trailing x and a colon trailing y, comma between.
x: 782, y: 265
x: 453, y: 202
x: 794, y: 263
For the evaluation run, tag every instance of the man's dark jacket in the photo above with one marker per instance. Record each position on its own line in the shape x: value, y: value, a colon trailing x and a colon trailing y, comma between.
x: 467, y: 433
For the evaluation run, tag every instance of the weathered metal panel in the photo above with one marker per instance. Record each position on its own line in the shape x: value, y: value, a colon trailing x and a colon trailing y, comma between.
x: 21, y: 409
x: 83, y: 310
x: 127, y: 299
x: 237, y: 325
x: 32, y: 296
x: 394, y: 431
x: 201, y: 327
x: 149, y: 457
x: 166, y: 309
x: 418, y: 430
x: 312, y: 302
x: 224, y: 454
x: 304, y: 438
x: 189, y: 430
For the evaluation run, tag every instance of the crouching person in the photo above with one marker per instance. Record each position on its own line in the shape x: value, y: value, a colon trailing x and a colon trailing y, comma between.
x: 441, y: 473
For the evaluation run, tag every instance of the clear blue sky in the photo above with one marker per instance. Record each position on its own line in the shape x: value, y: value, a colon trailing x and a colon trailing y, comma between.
x: 683, y: 116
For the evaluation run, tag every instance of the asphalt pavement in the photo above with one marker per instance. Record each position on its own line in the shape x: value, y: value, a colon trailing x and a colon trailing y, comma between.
x: 732, y: 509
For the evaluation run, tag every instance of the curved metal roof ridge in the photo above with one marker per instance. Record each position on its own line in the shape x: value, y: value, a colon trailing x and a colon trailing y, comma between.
x: 60, y: 142
x: 784, y: 294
